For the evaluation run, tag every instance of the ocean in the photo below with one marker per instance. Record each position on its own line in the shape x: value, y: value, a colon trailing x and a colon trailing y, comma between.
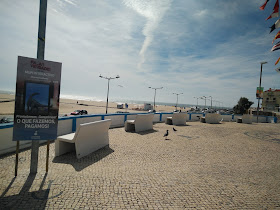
x: 91, y: 98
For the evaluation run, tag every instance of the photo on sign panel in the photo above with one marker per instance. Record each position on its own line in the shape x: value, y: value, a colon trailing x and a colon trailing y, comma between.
x: 36, y: 98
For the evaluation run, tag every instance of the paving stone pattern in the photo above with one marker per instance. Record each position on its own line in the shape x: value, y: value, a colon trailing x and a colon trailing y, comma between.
x: 203, y: 166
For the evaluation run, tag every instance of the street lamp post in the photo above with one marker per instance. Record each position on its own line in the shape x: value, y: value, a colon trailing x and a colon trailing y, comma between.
x: 108, y: 78
x: 264, y: 62
x: 155, y: 95
x: 211, y: 101
x: 204, y: 97
x: 196, y: 101
x: 177, y: 99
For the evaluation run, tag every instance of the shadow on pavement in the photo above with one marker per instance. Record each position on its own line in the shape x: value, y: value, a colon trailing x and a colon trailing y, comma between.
x: 26, y: 199
x: 84, y: 162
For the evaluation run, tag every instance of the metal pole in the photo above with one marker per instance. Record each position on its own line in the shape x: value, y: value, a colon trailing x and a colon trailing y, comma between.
x: 155, y: 99
x: 40, y: 55
x: 177, y: 102
x: 259, y: 95
x: 48, y: 154
x: 16, y: 165
x: 107, y: 96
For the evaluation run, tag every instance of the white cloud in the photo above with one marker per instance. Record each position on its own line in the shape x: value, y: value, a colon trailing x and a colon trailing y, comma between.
x: 182, y: 52
x: 201, y: 14
x: 153, y: 11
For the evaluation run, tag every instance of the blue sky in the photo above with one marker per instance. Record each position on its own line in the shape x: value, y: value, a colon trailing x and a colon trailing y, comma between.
x: 198, y: 48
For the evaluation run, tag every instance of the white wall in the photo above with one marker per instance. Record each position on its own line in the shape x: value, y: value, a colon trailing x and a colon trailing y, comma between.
x: 65, y: 127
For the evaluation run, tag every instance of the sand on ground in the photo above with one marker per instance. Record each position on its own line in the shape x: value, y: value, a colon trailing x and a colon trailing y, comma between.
x: 66, y: 106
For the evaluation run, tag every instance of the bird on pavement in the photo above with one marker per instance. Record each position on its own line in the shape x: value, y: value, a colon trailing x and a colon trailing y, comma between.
x: 174, y: 129
x: 165, y: 135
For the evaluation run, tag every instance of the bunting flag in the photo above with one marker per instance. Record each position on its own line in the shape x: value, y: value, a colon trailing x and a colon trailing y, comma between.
x: 276, y: 37
x: 276, y: 5
x: 275, y: 25
x: 277, y: 61
x: 275, y: 12
x: 263, y: 6
x: 277, y: 70
x: 276, y: 47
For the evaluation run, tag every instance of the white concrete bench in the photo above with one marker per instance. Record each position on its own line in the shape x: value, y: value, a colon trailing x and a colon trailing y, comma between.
x: 247, y: 118
x: 142, y: 122
x: 202, y: 119
x: 239, y: 120
x: 178, y: 118
x: 88, y: 138
x: 212, y: 118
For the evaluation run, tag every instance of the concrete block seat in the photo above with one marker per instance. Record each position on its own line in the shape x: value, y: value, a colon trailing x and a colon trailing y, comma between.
x: 247, y: 118
x: 88, y: 138
x: 212, y: 118
x: 142, y: 122
x: 202, y: 119
x: 178, y: 118
x: 239, y: 120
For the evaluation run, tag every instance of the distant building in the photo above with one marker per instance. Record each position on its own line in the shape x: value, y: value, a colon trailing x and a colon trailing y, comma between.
x: 271, y: 100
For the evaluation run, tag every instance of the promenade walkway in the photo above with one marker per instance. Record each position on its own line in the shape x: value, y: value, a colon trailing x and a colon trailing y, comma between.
x: 203, y: 166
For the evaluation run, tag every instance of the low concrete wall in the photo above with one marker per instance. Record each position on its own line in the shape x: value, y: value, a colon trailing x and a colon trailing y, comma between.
x: 69, y: 124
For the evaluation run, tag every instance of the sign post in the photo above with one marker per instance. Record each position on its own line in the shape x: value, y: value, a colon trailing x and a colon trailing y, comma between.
x: 37, y: 103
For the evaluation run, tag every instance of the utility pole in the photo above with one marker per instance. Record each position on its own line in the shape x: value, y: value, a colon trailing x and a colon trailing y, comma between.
x: 40, y: 55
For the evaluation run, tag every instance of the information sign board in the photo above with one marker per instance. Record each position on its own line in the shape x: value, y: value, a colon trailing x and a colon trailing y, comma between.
x: 37, y: 99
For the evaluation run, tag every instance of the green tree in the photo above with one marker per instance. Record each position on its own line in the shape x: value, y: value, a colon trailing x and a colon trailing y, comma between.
x: 242, y: 106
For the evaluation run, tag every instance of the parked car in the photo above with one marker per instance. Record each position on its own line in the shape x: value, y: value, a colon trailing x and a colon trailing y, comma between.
x: 121, y: 112
x: 79, y: 112
x: 6, y: 120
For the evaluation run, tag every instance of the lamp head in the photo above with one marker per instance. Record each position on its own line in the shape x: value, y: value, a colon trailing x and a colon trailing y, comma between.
x: 117, y: 76
x: 264, y: 62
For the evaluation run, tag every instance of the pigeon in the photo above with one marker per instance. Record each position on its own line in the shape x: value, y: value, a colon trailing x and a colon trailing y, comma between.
x: 222, y: 120
x: 165, y: 135
x: 174, y: 129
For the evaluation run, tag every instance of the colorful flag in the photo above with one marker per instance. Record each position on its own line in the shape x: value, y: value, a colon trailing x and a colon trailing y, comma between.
x: 277, y: 70
x: 277, y: 61
x: 276, y: 5
x: 259, y: 93
x: 275, y: 25
x: 276, y: 47
x: 275, y: 12
x: 276, y: 37
x: 263, y: 6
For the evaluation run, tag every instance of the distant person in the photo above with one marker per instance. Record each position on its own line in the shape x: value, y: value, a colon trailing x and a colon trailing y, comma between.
x: 77, y: 102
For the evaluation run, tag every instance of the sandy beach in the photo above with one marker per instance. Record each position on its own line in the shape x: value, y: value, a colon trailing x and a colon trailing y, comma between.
x: 67, y: 106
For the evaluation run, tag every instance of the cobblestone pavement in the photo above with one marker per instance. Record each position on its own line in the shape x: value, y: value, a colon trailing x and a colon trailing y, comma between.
x: 204, y: 166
